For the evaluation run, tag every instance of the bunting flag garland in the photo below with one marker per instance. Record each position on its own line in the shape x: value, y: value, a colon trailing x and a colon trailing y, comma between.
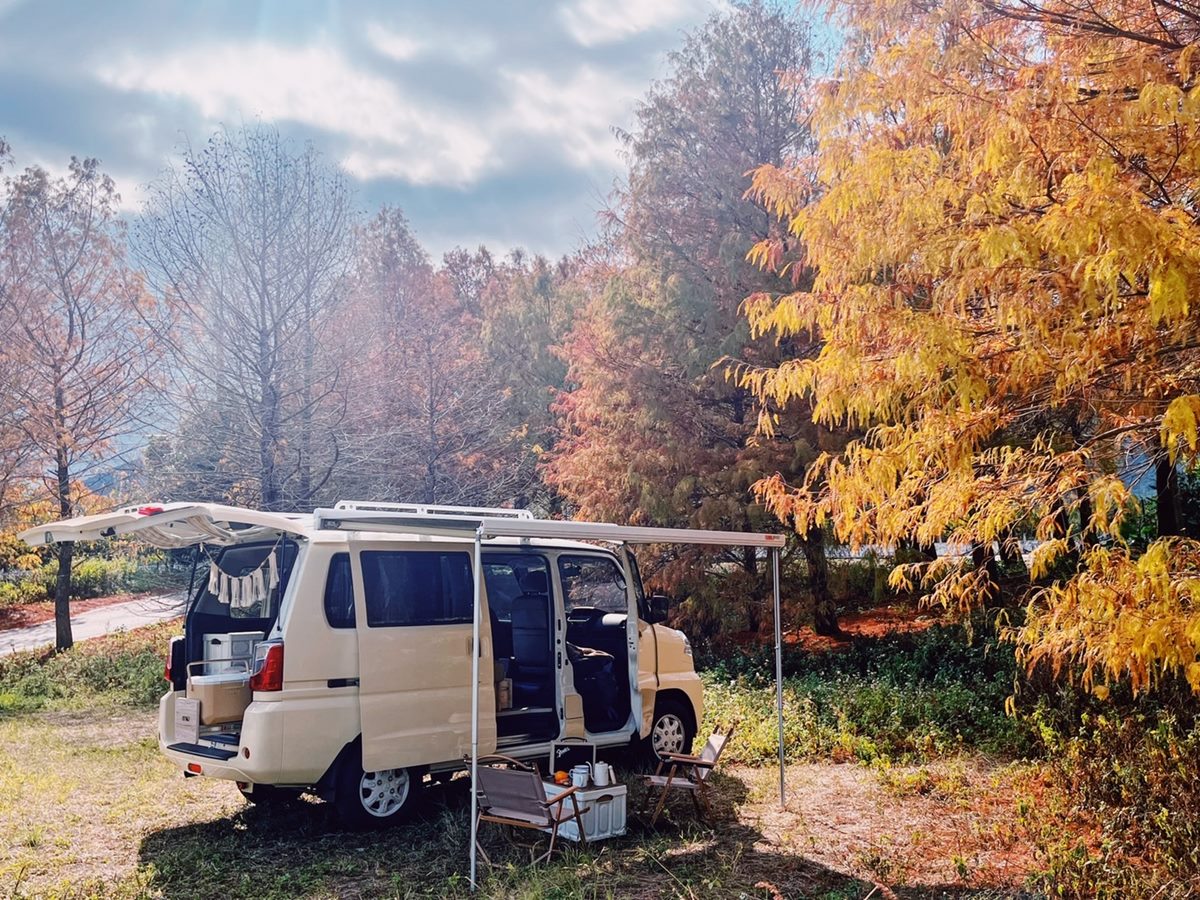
x: 244, y: 591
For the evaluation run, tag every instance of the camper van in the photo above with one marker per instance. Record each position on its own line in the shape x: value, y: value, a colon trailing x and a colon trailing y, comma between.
x: 333, y: 652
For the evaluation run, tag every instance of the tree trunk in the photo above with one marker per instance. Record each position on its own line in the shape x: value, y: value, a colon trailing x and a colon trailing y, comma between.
x: 1010, y: 552
x: 62, y: 584
x: 1166, y: 486
x: 825, y: 620
x: 1086, y: 538
x: 983, y: 556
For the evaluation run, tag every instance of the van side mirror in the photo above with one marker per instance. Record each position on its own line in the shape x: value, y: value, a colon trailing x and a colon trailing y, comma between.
x: 660, y: 608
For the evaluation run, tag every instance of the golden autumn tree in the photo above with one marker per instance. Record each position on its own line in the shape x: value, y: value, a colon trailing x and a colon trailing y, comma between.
x: 1001, y: 228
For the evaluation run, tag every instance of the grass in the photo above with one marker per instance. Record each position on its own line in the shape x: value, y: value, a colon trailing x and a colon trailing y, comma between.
x: 90, y: 807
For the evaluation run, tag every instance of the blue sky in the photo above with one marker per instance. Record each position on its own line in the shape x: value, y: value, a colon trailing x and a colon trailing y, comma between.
x: 487, y: 122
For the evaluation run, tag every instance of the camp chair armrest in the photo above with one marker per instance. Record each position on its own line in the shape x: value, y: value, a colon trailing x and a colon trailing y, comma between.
x: 559, y: 798
x: 682, y: 757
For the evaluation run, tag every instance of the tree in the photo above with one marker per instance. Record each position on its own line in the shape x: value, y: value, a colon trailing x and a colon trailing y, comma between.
x: 428, y: 412
x: 253, y: 236
x: 654, y: 430
x: 82, y: 331
x: 1001, y: 231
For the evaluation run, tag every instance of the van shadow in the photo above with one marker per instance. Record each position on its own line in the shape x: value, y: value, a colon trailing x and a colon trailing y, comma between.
x: 300, y: 850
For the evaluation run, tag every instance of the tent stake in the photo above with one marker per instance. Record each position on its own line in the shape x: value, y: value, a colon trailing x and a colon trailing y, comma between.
x: 478, y: 580
x: 778, y: 670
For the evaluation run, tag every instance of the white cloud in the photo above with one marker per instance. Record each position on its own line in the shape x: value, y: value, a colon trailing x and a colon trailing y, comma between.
x: 394, y: 44
x: 592, y: 22
x: 577, y: 111
x: 316, y: 86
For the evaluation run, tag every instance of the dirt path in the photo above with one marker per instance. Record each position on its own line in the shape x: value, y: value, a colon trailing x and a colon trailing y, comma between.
x: 97, y: 621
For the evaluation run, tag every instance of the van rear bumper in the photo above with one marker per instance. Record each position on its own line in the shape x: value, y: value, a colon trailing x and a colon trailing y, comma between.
x: 291, y: 739
x: 255, y: 758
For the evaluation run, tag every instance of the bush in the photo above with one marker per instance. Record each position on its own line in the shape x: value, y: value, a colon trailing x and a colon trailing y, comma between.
x: 20, y: 591
x: 1133, y: 768
x: 124, y: 669
x: 906, y: 698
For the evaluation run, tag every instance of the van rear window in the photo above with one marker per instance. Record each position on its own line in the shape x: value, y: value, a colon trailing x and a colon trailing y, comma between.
x: 413, y: 587
x: 339, y: 594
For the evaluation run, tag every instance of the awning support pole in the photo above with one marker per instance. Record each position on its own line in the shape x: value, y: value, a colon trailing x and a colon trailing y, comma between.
x: 778, y: 670
x: 477, y: 581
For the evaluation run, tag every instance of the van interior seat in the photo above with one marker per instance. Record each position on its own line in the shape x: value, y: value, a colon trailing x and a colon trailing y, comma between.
x: 532, y: 653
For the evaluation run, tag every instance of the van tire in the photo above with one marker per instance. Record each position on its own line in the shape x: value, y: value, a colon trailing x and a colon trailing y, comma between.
x: 366, y: 801
x: 671, y: 730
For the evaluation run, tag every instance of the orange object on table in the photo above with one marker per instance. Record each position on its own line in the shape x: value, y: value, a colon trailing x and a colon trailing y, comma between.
x: 561, y: 777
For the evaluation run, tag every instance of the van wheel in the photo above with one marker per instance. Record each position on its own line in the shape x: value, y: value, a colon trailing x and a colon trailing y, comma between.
x: 369, y: 800
x: 671, y: 731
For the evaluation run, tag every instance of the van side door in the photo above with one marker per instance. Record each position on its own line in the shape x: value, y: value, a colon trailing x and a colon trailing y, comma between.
x: 413, y: 609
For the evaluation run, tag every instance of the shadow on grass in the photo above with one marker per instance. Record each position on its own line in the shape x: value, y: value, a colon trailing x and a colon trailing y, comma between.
x: 300, y: 849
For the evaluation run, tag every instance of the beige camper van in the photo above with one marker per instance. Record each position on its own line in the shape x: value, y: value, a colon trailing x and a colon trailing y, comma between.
x: 332, y: 652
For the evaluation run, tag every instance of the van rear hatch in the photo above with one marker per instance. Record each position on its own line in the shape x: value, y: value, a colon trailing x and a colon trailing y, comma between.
x: 171, y: 525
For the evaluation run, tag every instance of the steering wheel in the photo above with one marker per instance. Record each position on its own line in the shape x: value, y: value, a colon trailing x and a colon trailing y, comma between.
x: 584, y: 615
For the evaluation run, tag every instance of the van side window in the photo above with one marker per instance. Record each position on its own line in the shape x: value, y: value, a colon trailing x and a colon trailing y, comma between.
x: 339, y: 593
x: 414, y: 587
x: 593, y: 581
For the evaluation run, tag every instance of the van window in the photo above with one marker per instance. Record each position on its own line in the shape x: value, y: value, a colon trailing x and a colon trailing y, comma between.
x: 593, y: 581
x: 339, y: 593
x: 508, y: 576
x: 237, y: 561
x: 414, y: 587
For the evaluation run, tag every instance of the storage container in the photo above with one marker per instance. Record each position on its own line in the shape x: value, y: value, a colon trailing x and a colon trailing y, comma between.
x: 605, y: 816
x: 231, y: 652
x: 187, y: 721
x: 223, y: 696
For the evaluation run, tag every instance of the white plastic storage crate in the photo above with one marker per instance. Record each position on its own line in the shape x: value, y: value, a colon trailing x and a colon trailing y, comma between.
x: 605, y: 817
x: 232, y: 652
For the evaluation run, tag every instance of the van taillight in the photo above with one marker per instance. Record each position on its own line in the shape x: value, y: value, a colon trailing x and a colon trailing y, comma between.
x: 267, y: 674
x: 170, y: 654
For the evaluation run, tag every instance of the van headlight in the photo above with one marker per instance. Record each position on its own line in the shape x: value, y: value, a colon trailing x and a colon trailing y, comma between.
x: 687, y: 646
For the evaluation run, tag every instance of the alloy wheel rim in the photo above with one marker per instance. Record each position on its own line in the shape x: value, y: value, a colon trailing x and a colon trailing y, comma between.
x: 667, y: 736
x: 383, y: 793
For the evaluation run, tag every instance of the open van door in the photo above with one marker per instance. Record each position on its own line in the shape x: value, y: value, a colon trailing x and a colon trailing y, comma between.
x: 413, y: 615
x: 169, y: 525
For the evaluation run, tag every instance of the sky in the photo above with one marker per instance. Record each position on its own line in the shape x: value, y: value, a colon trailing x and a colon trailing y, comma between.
x: 486, y: 121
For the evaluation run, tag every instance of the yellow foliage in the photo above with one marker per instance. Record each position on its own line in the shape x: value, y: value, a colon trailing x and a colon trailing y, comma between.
x: 1000, y: 231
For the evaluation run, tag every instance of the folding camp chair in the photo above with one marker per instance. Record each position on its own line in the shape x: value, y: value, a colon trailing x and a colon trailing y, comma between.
x: 679, y: 771
x: 515, y: 796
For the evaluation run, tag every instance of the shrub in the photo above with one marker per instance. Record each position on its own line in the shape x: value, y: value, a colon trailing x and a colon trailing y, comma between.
x: 906, y: 698
x: 20, y: 591
x: 124, y: 669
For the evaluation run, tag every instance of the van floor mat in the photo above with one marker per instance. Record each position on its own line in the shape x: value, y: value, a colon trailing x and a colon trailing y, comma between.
x: 201, y: 750
x: 223, y: 738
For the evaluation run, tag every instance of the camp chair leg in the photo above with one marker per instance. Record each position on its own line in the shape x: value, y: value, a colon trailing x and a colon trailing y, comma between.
x: 478, y: 845
x: 696, y: 804
x: 666, y: 789
x: 545, y: 856
x: 578, y: 818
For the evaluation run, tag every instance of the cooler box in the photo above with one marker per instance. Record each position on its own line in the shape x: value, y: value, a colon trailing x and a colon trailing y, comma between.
x: 605, y: 817
x: 223, y: 696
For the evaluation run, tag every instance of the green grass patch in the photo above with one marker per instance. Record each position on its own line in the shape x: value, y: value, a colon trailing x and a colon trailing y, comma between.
x: 123, y: 669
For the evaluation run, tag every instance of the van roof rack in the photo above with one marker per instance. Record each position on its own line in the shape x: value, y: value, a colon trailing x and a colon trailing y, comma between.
x: 433, y: 510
